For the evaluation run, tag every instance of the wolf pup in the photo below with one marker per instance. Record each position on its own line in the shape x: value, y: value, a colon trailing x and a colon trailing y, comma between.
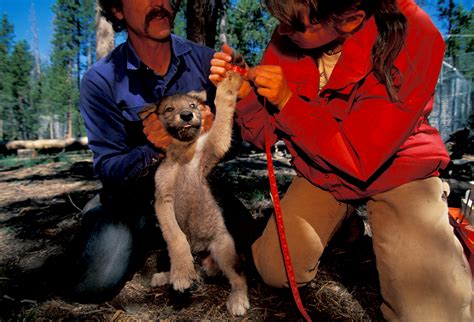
x: 189, y: 217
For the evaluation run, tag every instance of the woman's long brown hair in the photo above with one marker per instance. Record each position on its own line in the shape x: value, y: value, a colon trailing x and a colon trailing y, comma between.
x: 391, y: 24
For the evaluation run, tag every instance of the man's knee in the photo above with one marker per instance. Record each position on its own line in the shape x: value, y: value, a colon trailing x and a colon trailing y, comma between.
x: 104, y: 253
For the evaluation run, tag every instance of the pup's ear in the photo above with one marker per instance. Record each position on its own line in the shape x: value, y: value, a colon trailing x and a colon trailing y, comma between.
x: 199, y: 95
x: 147, y: 111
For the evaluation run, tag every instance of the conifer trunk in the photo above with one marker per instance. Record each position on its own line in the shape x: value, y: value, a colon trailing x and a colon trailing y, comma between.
x: 105, y: 37
x: 202, y: 20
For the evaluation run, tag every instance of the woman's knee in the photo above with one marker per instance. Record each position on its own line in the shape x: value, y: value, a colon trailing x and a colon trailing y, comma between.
x: 305, y: 250
x: 310, y: 217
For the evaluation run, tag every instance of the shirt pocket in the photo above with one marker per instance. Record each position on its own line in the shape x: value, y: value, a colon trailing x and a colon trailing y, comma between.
x: 131, y: 113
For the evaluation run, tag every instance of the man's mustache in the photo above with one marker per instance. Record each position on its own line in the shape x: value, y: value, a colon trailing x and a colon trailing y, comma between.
x: 159, y: 13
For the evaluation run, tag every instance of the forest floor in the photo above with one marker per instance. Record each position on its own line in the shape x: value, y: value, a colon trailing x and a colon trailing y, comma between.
x: 40, y: 203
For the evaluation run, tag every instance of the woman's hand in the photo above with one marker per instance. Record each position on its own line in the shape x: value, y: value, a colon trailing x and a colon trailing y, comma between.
x: 271, y: 83
x: 220, y: 64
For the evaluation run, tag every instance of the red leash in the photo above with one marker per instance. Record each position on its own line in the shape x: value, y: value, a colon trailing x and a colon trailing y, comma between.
x: 281, y: 230
x: 278, y: 215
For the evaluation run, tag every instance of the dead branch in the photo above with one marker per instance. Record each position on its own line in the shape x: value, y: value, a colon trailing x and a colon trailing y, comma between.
x: 44, y: 144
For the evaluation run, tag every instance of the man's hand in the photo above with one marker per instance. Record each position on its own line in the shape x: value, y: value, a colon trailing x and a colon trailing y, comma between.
x: 155, y: 132
x: 207, y: 118
x: 271, y: 83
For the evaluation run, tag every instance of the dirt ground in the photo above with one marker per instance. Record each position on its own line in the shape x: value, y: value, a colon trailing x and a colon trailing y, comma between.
x: 39, y: 213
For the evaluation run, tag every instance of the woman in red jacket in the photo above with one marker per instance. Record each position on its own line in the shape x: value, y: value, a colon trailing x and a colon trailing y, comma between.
x: 348, y: 86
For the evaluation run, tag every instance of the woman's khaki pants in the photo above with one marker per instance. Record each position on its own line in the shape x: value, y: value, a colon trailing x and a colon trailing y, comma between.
x: 424, y: 275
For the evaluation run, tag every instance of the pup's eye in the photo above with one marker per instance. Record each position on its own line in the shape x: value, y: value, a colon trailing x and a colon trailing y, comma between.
x: 192, y: 105
x: 169, y: 109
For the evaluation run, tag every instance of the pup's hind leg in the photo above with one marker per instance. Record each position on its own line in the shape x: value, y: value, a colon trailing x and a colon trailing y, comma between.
x: 209, y: 266
x: 182, y: 272
x: 223, y: 251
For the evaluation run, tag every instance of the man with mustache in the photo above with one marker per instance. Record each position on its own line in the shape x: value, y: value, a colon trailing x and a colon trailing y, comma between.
x: 118, y: 228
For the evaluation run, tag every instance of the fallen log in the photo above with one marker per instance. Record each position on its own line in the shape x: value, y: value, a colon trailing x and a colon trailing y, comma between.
x: 44, y: 144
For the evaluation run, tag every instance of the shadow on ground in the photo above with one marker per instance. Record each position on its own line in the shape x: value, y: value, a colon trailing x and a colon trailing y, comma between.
x: 35, y: 231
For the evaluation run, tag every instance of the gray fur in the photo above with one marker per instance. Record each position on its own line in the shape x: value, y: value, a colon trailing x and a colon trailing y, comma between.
x: 189, y: 217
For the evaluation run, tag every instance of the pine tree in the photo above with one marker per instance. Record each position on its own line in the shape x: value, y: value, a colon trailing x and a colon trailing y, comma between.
x: 180, y: 20
x: 87, y: 52
x: 458, y: 22
x: 64, y: 73
x: 6, y: 97
x: 470, y: 31
x: 24, y: 117
x: 249, y: 29
x: 87, y: 25
x: 35, y: 40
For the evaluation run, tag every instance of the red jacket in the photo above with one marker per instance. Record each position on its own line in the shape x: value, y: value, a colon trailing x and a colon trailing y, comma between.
x: 351, y: 140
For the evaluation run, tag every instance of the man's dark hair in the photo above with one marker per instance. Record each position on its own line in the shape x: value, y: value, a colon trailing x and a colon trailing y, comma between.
x: 106, y: 7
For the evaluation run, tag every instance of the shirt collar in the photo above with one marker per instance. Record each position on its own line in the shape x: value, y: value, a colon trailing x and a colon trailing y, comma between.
x: 178, y: 45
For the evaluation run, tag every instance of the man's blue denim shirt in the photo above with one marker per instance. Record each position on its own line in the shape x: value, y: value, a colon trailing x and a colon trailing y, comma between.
x: 116, y: 88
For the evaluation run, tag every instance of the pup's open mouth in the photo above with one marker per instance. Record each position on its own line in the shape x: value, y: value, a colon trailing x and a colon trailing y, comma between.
x: 185, y: 132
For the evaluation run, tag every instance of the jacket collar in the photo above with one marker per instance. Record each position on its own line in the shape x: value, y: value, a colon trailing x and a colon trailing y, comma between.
x: 178, y: 45
x: 356, y: 57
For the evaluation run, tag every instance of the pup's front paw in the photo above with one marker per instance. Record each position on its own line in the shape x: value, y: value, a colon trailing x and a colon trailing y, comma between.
x: 237, y: 303
x: 182, y: 275
x: 231, y: 84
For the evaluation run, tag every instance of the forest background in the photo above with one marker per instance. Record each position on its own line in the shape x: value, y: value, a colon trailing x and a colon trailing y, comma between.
x: 39, y: 97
